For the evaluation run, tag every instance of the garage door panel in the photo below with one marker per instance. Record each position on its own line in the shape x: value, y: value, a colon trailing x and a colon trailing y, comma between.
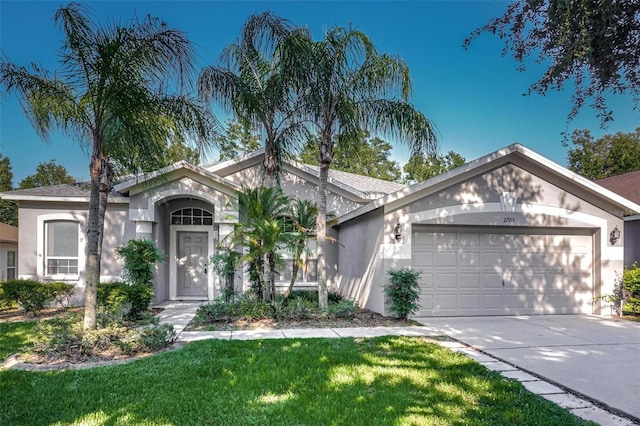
x: 468, y: 259
x: 446, y: 259
x: 469, y: 301
x: 423, y: 259
x: 445, y: 302
x: 502, y: 272
x: 492, y: 301
x: 446, y: 280
x: 468, y: 281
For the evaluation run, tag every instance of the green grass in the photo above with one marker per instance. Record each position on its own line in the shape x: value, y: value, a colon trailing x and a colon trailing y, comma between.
x: 14, y: 337
x: 381, y: 381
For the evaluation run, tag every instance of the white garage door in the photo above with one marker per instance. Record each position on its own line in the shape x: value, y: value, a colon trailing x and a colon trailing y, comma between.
x: 503, y: 271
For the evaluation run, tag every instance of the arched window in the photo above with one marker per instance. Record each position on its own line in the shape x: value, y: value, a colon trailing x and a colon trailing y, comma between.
x: 191, y: 216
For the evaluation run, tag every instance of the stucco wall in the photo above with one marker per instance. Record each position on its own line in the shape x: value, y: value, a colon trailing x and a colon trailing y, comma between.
x: 361, y: 273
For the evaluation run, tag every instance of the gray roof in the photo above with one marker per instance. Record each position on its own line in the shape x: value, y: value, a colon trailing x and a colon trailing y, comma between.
x: 78, y: 190
x: 365, y: 184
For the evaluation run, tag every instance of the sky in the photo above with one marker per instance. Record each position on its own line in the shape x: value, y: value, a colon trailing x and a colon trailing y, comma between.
x: 474, y: 97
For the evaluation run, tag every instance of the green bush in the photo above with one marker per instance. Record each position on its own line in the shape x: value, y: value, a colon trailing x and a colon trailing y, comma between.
x: 6, y: 303
x: 157, y: 336
x: 308, y: 295
x: 299, y: 309
x: 404, y: 292
x: 117, y: 296
x: 62, y: 293
x: 251, y: 308
x: 216, y: 311
x: 140, y: 258
x: 66, y: 338
x: 32, y: 296
x: 631, y: 283
x: 343, y: 309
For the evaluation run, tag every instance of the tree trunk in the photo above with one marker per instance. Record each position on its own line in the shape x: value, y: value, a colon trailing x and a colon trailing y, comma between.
x: 271, y: 164
x: 326, y: 156
x: 101, y: 184
x: 295, y: 267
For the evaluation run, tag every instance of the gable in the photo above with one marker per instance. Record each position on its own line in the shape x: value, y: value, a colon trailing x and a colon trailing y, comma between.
x: 516, y: 170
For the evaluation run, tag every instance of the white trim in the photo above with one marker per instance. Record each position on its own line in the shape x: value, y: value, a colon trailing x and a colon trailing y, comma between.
x: 40, y: 241
x: 173, y: 267
x: 632, y: 218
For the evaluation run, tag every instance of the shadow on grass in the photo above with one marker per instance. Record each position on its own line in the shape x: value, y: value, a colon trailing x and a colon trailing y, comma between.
x: 380, y: 381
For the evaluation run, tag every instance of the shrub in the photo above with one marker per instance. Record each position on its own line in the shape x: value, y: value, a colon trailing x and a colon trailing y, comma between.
x: 404, y: 292
x: 118, y: 296
x: 156, y: 336
x: 31, y: 295
x: 631, y: 283
x: 335, y: 297
x: 308, y: 295
x: 216, y: 311
x: 343, y: 309
x: 140, y: 258
x: 66, y: 338
x: 62, y: 293
x: 299, y: 309
x: 5, y: 302
x: 251, y: 308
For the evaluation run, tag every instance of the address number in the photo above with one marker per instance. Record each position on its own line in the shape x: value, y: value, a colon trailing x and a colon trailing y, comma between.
x: 509, y: 220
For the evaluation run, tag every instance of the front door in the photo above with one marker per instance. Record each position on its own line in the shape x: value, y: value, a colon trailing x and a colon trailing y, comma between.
x: 192, y: 258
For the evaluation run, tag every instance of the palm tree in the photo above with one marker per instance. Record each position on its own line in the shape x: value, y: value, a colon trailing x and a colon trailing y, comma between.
x: 350, y: 88
x: 111, y: 94
x: 254, y: 83
x: 304, y: 215
x: 262, y: 231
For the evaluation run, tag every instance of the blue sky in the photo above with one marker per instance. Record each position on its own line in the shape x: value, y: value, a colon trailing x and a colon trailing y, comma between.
x: 475, y: 97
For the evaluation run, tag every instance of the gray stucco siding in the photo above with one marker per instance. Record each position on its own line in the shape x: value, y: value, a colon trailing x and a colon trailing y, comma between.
x: 117, y: 230
x: 361, y: 270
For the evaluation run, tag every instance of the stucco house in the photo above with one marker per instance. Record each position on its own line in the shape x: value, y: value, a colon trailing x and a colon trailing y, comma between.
x: 8, y: 252
x: 509, y: 233
x: 628, y: 186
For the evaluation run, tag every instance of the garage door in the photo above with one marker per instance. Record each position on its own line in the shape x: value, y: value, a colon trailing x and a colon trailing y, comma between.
x: 503, y: 271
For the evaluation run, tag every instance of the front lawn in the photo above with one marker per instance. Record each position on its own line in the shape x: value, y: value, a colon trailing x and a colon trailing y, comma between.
x: 381, y: 381
x: 14, y: 337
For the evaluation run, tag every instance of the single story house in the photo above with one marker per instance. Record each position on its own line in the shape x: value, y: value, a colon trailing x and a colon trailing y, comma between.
x: 8, y: 252
x: 628, y: 186
x: 509, y: 233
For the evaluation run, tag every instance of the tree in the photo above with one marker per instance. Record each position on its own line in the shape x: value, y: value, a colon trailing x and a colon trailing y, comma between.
x: 239, y: 139
x: 608, y: 156
x: 47, y: 174
x: 263, y: 232
x: 349, y: 87
x: 592, y: 44
x: 8, y: 209
x: 364, y: 155
x: 421, y: 167
x: 304, y: 215
x: 254, y: 83
x: 112, y: 95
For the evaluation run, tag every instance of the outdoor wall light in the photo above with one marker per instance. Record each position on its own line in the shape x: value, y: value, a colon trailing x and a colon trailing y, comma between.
x: 397, y: 231
x: 614, y: 236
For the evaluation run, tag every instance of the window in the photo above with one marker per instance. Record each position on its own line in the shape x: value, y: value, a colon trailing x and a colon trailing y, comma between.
x: 191, y: 216
x: 11, y: 265
x: 61, y: 247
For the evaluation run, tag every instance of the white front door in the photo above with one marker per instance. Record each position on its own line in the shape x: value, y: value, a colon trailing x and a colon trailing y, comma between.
x: 192, y: 264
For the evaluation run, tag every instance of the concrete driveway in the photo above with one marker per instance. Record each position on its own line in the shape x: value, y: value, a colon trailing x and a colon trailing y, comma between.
x: 593, y: 356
